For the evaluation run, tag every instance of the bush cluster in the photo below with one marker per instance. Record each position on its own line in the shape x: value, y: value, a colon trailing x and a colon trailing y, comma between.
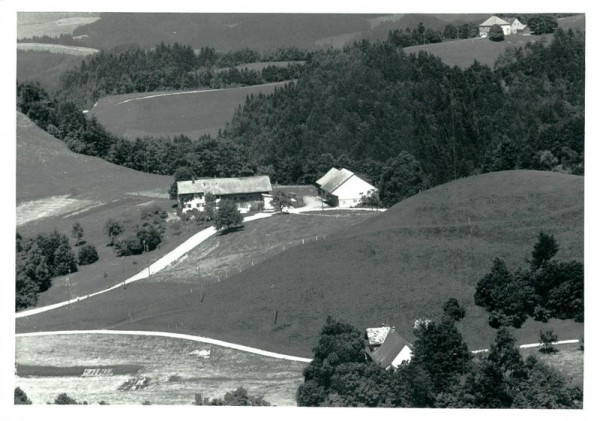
x: 129, y: 237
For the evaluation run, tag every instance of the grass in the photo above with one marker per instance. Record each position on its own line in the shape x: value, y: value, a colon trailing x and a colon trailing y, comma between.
x: 176, y: 375
x: 192, y: 114
x: 56, y: 188
x: 259, y: 66
x: 56, y: 48
x: 223, y: 256
x: 52, y: 24
x: 392, y: 268
x: 44, y: 67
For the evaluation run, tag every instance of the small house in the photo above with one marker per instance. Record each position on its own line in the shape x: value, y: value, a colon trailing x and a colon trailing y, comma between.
x: 387, y: 348
x: 484, y: 28
x: 516, y: 26
x: 246, y: 192
x: 343, y: 188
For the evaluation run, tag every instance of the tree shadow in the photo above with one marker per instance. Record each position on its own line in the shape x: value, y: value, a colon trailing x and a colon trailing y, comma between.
x: 231, y: 229
x: 548, y: 351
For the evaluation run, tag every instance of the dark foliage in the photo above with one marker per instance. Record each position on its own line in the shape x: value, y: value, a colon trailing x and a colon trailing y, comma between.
x: 228, y: 215
x: 548, y: 289
x: 21, y: 398
x: 238, y: 397
x: 64, y: 399
x: 87, y: 255
x: 496, y: 33
x: 453, y: 310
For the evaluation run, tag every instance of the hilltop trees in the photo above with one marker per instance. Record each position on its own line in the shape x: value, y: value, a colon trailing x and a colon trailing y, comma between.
x: 542, y: 24
x: 402, y: 177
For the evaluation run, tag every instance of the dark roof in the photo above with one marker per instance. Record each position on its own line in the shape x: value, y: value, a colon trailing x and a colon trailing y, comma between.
x: 221, y: 186
x: 385, y: 354
x: 336, y: 180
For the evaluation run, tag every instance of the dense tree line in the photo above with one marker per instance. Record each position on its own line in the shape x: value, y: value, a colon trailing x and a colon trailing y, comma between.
x: 403, y: 122
x: 170, y: 67
x: 422, y: 35
x: 441, y: 374
x: 39, y: 259
x: 547, y: 289
x: 62, y: 39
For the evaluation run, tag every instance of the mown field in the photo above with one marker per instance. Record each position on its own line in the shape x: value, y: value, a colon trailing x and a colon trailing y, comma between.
x: 192, y: 113
x: 392, y: 268
x: 56, y: 49
x: 568, y: 361
x: 175, y: 374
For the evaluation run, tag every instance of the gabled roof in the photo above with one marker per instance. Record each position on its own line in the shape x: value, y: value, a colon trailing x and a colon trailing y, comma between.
x: 494, y: 20
x: 221, y: 186
x: 336, y: 180
x: 386, y: 353
x: 327, y: 176
x: 377, y: 335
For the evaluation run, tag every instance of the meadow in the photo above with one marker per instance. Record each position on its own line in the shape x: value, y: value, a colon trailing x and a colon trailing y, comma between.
x: 175, y: 372
x: 52, y: 24
x: 56, y: 48
x: 191, y: 113
x: 392, y: 268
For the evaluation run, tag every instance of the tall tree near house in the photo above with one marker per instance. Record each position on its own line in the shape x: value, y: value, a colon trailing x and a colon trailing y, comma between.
x: 77, y: 233
x: 544, y: 250
x: 228, y: 216
x: 547, y: 338
x: 112, y: 229
x: 281, y: 200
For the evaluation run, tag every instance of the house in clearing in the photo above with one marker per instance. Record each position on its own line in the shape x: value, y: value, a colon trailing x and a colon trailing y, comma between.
x: 343, y: 188
x: 516, y: 26
x: 484, y: 28
x: 386, y: 347
x: 246, y: 192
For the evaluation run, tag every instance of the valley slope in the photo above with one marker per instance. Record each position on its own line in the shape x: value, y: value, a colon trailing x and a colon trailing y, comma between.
x: 393, y: 268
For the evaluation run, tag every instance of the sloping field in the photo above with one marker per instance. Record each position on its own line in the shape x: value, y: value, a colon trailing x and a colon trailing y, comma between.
x: 52, y: 24
x: 175, y: 372
x: 56, y: 48
x: 463, y: 53
x: 392, y: 268
x: 46, y: 168
x: 192, y: 113
x: 44, y: 67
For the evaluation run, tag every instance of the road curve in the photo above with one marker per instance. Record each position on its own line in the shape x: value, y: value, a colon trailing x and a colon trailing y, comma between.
x: 155, y: 267
x: 175, y: 336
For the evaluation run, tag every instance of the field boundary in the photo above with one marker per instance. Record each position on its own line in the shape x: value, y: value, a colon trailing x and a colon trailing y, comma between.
x: 174, y: 336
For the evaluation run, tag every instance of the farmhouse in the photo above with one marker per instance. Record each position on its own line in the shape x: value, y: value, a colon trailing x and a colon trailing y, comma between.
x: 386, y: 347
x: 343, y: 188
x: 246, y: 192
x: 516, y: 26
x: 484, y: 28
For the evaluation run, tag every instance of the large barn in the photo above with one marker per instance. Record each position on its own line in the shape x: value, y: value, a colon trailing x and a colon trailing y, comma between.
x: 484, y: 27
x: 343, y: 188
x: 246, y: 192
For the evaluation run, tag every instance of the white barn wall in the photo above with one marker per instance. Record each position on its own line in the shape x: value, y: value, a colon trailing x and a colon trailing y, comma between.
x: 349, y: 193
x: 404, y: 355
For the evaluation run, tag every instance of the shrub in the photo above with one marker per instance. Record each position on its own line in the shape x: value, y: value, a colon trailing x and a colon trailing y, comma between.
x: 64, y: 399
x: 547, y: 338
x: 228, y: 216
x: 21, y: 398
x: 87, y: 255
x: 496, y: 33
x: 129, y: 246
x: 453, y: 309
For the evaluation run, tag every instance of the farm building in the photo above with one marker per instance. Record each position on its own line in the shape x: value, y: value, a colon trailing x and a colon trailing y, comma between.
x: 484, y: 28
x: 343, y: 188
x: 516, y: 26
x: 386, y: 347
x: 246, y: 192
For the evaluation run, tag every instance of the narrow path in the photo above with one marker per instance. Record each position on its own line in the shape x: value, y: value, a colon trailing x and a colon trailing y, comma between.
x: 568, y: 341
x: 155, y: 267
x: 175, y: 336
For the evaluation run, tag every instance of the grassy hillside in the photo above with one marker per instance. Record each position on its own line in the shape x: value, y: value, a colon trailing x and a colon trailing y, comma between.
x: 56, y: 48
x: 44, y: 67
x: 192, y: 113
x: 391, y: 268
x: 52, y: 24
x: 46, y: 167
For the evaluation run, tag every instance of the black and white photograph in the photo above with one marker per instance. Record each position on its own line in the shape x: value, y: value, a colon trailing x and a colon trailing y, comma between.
x: 349, y: 207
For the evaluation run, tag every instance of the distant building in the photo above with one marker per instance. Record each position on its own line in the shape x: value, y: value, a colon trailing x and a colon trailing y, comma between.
x: 516, y: 27
x: 343, y: 188
x: 244, y: 191
x: 387, y: 348
x: 484, y: 28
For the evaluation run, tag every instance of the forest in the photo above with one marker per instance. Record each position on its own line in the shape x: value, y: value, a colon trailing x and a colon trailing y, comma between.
x: 403, y: 121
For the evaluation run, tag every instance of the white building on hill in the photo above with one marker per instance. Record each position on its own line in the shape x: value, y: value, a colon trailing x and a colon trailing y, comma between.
x: 244, y: 191
x: 343, y: 188
x: 484, y: 28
